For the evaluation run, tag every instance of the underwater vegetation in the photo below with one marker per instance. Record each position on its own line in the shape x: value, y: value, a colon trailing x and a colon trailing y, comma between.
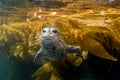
x: 21, y: 41
x: 83, y: 23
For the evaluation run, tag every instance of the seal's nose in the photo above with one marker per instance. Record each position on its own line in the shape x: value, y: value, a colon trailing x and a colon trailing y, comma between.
x: 49, y: 33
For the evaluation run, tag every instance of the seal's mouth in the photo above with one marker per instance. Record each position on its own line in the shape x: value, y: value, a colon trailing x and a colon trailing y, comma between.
x: 48, y: 39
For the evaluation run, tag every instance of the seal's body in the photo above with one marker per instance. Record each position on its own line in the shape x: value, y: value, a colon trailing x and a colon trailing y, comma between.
x: 53, y: 48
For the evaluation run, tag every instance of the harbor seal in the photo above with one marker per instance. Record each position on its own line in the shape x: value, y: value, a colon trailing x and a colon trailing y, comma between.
x: 53, y: 48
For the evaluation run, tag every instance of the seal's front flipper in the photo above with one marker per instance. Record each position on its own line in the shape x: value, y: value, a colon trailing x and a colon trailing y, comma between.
x: 77, y: 51
x: 74, y: 49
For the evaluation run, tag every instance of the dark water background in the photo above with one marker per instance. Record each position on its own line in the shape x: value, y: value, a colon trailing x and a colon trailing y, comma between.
x: 93, y: 68
x: 12, y: 68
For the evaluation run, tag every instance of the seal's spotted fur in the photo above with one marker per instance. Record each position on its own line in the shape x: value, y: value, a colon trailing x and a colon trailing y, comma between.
x: 53, y: 48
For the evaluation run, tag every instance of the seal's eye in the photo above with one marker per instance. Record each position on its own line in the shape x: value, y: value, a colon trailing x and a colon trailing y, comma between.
x: 44, y: 31
x: 55, y: 31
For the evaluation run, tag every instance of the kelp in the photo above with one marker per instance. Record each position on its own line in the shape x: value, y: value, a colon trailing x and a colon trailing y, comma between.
x: 84, y: 37
x: 19, y: 37
x: 47, y: 71
x: 96, y: 40
x: 22, y: 40
x: 115, y: 29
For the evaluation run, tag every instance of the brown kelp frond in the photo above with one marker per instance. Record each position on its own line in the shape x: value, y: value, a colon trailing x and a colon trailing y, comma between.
x: 19, y: 38
x: 86, y: 37
x: 46, y: 71
x: 115, y: 29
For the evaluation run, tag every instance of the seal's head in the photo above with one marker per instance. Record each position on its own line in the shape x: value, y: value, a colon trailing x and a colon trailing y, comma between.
x: 53, y: 48
x: 49, y: 35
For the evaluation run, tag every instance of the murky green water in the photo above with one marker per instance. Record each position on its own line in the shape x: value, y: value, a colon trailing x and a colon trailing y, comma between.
x: 4, y: 67
x: 15, y: 69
